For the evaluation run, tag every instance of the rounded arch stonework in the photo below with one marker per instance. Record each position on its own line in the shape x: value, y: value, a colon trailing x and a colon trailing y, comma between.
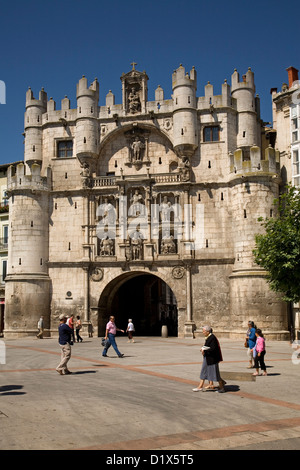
x: 105, y: 292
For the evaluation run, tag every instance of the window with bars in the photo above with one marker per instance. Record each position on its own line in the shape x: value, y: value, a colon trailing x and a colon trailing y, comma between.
x: 65, y: 149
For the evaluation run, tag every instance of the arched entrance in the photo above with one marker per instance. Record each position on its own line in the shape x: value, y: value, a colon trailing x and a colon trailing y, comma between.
x: 145, y: 298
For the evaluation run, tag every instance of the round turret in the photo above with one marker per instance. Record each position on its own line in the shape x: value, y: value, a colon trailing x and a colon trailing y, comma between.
x: 87, y: 129
x: 247, y: 119
x: 185, y: 133
x: 33, y: 126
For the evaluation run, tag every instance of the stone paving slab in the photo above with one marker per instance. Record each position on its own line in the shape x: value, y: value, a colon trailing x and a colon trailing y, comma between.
x: 144, y: 401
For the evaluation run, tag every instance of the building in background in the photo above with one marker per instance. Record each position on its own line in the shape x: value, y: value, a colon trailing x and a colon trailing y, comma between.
x: 286, y: 123
x: 145, y: 209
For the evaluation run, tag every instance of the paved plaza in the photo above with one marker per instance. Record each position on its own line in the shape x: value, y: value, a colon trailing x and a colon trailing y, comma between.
x: 144, y: 401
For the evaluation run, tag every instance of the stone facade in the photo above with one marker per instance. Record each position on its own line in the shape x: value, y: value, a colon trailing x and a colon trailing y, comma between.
x: 144, y: 209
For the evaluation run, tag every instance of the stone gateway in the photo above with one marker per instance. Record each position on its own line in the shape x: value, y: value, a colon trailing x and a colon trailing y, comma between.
x: 143, y: 210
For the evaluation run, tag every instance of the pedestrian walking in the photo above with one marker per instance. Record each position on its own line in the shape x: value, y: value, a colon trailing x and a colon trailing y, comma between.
x: 78, y: 326
x: 130, y: 330
x: 70, y: 323
x: 110, y: 334
x: 212, y: 355
x: 64, y: 340
x: 250, y: 341
x: 260, y: 348
x: 40, y: 334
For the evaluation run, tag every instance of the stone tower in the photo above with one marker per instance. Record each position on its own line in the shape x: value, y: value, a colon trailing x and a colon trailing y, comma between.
x: 27, y: 281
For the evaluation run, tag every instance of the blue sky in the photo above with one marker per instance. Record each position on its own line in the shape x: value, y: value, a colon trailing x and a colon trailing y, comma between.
x: 51, y: 44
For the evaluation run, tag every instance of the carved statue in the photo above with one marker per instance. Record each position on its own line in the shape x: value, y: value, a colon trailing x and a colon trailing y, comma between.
x: 106, y: 247
x: 137, y: 245
x: 165, y: 209
x: 134, y: 104
x: 167, y: 245
x: 137, y: 204
x: 137, y: 146
x: 85, y: 174
x: 185, y: 170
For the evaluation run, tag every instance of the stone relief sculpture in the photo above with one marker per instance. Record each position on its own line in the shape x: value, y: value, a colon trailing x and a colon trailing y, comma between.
x: 97, y: 274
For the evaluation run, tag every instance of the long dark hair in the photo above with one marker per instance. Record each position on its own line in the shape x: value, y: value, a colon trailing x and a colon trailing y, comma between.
x: 259, y: 332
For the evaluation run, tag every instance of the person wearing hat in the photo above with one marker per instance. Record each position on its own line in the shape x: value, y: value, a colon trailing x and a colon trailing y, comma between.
x: 64, y: 340
x: 212, y: 355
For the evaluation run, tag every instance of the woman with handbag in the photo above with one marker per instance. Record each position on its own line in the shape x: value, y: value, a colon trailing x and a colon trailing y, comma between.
x: 78, y: 327
x: 250, y: 342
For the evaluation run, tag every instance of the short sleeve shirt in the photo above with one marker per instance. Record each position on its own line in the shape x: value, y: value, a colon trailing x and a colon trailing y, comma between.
x: 111, y: 328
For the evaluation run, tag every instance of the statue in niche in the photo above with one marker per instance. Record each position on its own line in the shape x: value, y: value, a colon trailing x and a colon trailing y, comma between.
x: 109, y: 211
x: 106, y: 247
x: 167, y: 245
x: 166, y: 208
x: 137, y: 147
x: 134, y: 104
x: 137, y: 245
x: 137, y: 204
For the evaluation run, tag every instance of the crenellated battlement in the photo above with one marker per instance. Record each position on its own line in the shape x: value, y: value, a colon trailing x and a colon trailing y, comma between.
x: 82, y: 89
x: 246, y: 82
x: 182, y: 78
x: 242, y: 163
x: 18, y: 179
x: 32, y: 101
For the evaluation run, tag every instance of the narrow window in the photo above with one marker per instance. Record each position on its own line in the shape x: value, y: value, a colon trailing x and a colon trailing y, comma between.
x: 245, y: 214
x: 159, y: 160
x: 31, y: 223
x: 33, y: 148
x: 206, y: 243
x: 55, y: 205
x: 41, y: 261
x: 20, y: 261
x: 222, y: 197
x: 66, y: 176
x: 199, y: 197
x: 209, y: 165
x: 75, y: 205
x: 69, y: 246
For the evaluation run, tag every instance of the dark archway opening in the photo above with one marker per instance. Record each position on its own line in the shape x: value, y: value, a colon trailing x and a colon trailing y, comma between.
x: 145, y: 298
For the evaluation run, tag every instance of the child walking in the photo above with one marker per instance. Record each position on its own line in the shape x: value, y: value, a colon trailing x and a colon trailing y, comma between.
x: 260, y: 347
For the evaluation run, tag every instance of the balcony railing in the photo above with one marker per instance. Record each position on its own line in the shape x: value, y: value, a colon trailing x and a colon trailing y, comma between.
x: 102, y: 181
